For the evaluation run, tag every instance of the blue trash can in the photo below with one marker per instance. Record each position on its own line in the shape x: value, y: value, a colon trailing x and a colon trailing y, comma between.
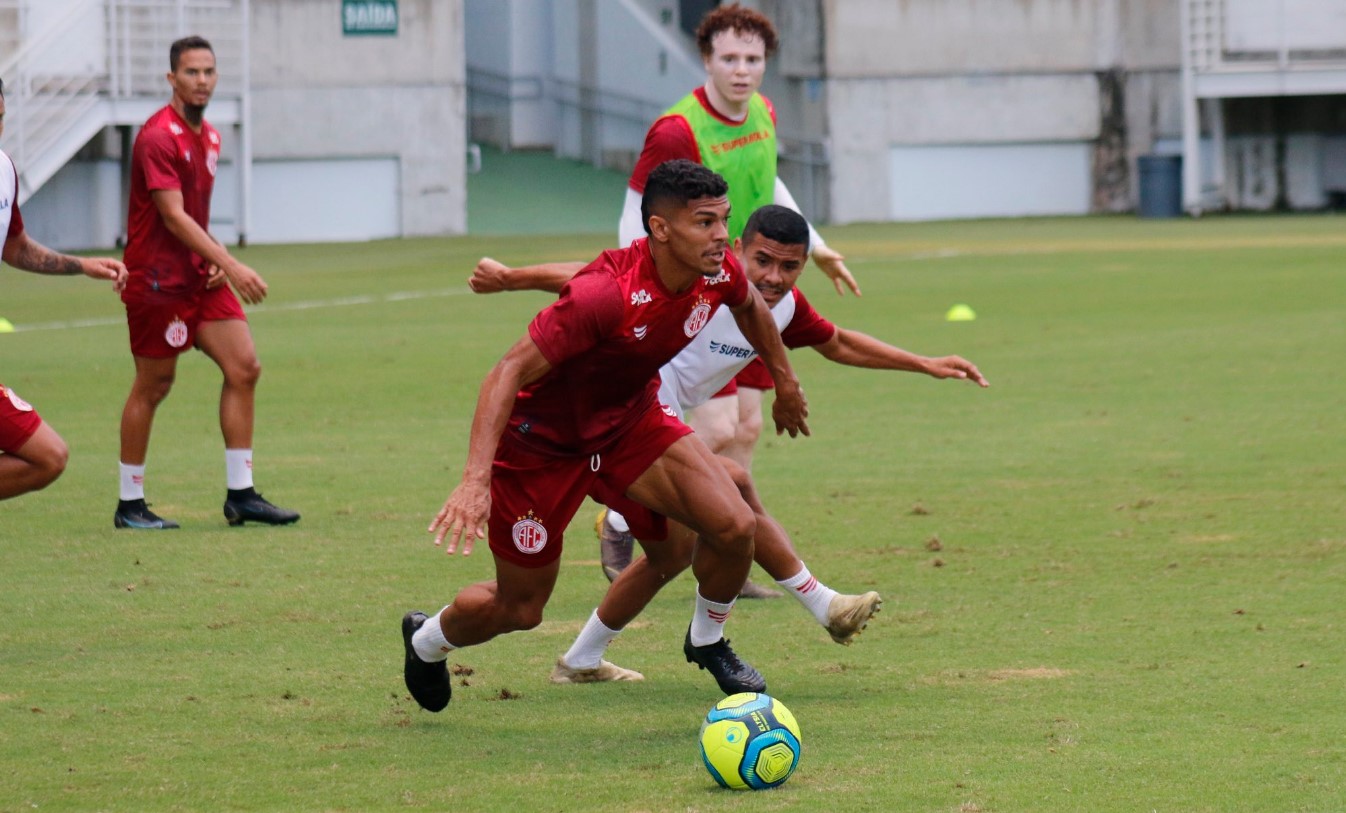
x: 1160, y: 185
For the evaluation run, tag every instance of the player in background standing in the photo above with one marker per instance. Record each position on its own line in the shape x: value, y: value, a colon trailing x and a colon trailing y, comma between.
x: 572, y: 411
x: 175, y: 297
x: 773, y: 251
x: 32, y: 454
x: 729, y: 126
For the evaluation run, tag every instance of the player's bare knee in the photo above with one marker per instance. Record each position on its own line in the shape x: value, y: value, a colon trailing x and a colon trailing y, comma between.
x: 749, y: 429
x: 526, y: 617
x: 243, y: 374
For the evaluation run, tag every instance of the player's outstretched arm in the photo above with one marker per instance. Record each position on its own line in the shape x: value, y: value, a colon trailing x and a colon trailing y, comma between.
x: 857, y: 349
x: 492, y: 276
x: 754, y: 321
x: 27, y: 254
x: 468, y: 506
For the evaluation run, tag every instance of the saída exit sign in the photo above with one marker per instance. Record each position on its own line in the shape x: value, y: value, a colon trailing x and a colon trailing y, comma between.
x: 361, y: 18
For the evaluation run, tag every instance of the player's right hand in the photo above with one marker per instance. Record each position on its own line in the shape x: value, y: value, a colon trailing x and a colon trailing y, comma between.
x: 789, y: 411
x: 489, y: 277
x: 463, y: 517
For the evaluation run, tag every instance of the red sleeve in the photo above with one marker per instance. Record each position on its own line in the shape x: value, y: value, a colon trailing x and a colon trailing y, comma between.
x: 668, y: 138
x: 158, y: 154
x: 15, y: 219
x: 738, y: 281
x: 590, y: 307
x: 808, y: 328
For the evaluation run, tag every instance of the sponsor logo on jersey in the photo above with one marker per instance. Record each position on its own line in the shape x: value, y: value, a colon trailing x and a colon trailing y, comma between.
x: 723, y: 276
x: 733, y: 351
x: 641, y: 331
x: 742, y: 141
x: 641, y: 297
x: 176, y: 334
x: 529, y: 534
x: 697, y: 319
x: 4, y: 204
x: 187, y: 156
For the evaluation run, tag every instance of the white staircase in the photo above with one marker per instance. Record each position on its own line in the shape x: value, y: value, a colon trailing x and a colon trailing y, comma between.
x: 74, y: 67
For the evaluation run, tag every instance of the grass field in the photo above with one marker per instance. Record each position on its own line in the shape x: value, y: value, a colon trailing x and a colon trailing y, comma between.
x: 1113, y: 580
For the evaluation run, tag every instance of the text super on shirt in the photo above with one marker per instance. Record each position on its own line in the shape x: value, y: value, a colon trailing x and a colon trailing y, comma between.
x: 613, y: 327
x: 168, y: 155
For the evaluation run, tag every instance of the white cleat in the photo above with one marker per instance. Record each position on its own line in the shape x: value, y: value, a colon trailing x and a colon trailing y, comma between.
x: 603, y: 673
x: 847, y: 615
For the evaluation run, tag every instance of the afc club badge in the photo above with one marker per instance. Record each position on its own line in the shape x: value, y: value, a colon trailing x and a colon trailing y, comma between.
x: 529, y: 535
x: 176, y: 334
x: 697, y: 318
x: 19, y: 404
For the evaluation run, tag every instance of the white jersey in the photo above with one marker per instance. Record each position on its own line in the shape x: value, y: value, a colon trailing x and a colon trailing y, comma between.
x: 713, y: 358
x: 9, y: 195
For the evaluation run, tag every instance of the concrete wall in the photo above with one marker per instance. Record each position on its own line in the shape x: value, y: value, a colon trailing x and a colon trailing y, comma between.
x: 993, y: 84
x: 320, y: 95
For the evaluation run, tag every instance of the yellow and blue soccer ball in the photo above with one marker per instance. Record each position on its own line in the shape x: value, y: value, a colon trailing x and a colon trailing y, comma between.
x: 750, y: 741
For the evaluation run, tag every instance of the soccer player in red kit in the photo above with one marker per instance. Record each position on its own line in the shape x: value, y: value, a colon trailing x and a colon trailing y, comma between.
x: 176, y: 298
x: 572, y: 410
x: 730, y: 126
x: 32, y: 454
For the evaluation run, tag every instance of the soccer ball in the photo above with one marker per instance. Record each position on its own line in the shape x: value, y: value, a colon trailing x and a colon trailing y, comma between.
x: 750, y: 741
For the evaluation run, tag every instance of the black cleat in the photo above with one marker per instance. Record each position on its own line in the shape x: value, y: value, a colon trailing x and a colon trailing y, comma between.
x: 427, y: 682
x: 136, y: 514
x: 725, y: 666
x: 246, y: 505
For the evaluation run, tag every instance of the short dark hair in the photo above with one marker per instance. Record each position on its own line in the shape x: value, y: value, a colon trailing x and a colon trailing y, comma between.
x: 734, y: 17
x: 784, y: 225
x: 191, y: 43
x: 679, y: 181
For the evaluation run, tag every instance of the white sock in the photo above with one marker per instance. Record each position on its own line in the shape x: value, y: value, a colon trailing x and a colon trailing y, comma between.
x: 132, y: 481
x: 428, y: 641
x: 813, y: 594
x: 708, y: 621
x: 618, y: 523
x: 238, y: 469
x: 587, y: 651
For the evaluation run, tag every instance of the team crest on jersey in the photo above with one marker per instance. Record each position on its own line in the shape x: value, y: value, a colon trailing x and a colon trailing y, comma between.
x: 174, y: 129
x: 176, y: 334
x: 529, y: 534
x: 697, y: 319
x: 641, y: 297
x: 723, y: 276
x: 212, y: 161
x: 19, y: 404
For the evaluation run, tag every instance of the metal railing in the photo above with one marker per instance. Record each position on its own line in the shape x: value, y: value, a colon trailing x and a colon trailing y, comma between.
x: 55, y: 99
x: 1243, y: 35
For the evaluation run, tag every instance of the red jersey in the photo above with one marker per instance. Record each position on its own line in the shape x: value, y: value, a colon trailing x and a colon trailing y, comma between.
x: 613, y: 327
x: 671, y: 137
x: 169, y: 155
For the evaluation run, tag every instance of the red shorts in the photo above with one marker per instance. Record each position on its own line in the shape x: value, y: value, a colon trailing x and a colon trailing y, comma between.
x: 755, y: 376
x: 18, y: 421
x: 534, y: 495
x: 728, y: 389
x: 163, y: 327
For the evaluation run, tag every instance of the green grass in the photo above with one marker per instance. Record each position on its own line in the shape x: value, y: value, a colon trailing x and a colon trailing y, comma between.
x: 1113, y: 580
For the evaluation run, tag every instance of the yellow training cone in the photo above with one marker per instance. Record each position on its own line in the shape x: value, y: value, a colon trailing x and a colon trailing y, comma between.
x: 960, y: 313
x: 5, y: 325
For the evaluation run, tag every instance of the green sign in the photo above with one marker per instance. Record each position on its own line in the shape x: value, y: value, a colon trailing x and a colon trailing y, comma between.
x: 369, y: 17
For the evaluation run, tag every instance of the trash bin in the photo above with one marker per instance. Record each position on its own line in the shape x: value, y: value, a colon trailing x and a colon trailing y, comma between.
x: 1160, y: 185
